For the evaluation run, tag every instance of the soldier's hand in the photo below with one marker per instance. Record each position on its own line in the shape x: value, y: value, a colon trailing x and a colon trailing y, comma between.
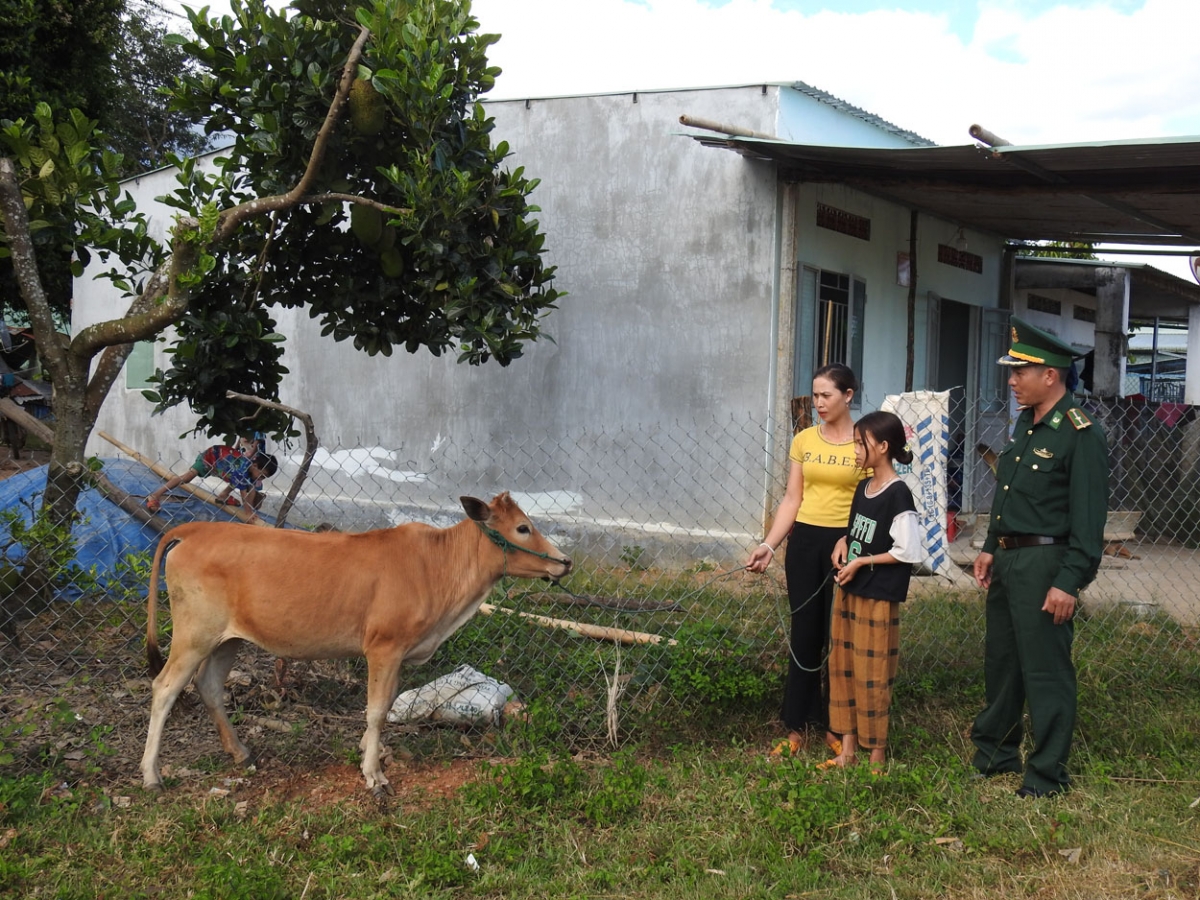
x: 983, y: 570
x: 1060, y: 604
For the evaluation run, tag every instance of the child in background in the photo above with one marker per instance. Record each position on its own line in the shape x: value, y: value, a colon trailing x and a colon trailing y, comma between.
x: 232, y: 467
x: 874, y: 562
x: 249, y: 447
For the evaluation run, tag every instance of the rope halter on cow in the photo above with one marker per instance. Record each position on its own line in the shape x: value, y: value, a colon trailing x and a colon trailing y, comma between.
x: 505, y: 544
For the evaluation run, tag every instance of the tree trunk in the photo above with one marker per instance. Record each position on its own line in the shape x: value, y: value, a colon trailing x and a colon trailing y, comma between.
x: 65, y: 479
x: 73, y: 424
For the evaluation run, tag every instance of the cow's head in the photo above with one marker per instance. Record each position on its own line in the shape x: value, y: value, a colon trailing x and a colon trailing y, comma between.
x: 527, y: 554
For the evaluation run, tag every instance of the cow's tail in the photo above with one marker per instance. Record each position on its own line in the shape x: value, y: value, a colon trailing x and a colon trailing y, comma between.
x: 154, y: 658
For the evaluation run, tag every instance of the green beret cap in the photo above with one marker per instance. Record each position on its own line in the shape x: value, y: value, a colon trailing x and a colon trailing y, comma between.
x: 1034, y: 347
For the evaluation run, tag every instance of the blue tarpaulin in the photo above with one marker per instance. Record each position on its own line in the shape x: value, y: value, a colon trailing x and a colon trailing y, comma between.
x: 106, y: 534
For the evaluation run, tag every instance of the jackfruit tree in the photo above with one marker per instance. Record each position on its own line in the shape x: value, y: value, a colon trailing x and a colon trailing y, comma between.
x: 360, y: 182
x: 108, y: 59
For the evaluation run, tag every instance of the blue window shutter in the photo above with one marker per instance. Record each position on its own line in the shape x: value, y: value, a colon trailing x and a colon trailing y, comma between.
x: 805, y: 328
x: 139, y: 366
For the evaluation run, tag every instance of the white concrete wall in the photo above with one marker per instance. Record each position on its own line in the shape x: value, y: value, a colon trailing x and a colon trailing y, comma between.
x: 885, y: 336
x: 666, y: 249
x: 1065, y: 326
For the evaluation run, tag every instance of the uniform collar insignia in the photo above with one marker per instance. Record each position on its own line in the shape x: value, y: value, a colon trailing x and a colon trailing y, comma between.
x: 1056, y: 419
x: 1043, y: 453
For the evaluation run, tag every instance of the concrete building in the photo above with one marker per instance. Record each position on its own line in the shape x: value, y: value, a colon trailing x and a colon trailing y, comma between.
x: 703, y: 287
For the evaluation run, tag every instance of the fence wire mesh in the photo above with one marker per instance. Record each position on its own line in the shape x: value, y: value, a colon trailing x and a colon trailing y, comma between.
x: 659, y: 520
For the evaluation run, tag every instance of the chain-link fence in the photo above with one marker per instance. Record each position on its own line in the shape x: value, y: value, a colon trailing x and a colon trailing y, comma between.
x: 659, y: 520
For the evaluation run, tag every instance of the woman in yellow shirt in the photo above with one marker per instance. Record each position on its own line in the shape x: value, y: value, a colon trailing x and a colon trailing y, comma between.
x: 813, y: 516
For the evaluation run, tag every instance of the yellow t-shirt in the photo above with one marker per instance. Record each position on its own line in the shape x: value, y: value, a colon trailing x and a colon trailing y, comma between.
x: 830, y: 477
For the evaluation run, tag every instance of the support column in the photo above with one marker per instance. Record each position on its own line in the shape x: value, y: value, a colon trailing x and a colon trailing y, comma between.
x: 1191, y: 384
x: 779, y: 436
x: 1112, y: 325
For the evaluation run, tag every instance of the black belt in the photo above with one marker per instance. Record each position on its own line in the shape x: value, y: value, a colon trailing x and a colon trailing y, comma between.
x: 1013, y: 541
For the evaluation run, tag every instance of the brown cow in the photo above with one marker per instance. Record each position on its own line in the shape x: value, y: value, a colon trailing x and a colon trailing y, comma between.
x: 392, y: 596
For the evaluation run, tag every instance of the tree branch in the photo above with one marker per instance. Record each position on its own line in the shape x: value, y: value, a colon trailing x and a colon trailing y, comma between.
x: 108, y: 367
x: 162, y: 302
x: 231, y: 219
x: 16, y: 226
x: 354, y: 198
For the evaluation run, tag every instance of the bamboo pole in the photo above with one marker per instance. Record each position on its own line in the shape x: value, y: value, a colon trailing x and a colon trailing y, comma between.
x: 600, y: 632
x: 198, y: 492
x: 126, y: 502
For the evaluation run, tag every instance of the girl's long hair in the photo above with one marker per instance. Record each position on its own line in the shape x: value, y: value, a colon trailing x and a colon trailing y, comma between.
x: 885, y: 426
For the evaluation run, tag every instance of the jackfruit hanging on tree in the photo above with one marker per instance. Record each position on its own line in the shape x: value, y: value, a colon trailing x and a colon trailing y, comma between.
x: 367, y: 110
x: 367, y: 223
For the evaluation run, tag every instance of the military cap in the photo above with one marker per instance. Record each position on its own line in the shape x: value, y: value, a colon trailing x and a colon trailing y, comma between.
x: 1034, y: 347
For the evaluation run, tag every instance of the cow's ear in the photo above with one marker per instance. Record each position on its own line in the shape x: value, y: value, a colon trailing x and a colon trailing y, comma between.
x: 476, y: 509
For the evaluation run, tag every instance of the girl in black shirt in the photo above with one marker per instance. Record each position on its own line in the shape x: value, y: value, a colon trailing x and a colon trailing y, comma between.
x: 874, y: 563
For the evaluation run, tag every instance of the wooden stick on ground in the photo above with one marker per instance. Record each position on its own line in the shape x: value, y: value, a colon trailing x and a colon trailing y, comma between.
x: 127, y: 502
x: 600, y: 632
x: 200, y: 493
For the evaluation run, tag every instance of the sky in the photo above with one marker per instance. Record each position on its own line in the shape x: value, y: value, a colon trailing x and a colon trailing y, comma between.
x: 1031, y: 71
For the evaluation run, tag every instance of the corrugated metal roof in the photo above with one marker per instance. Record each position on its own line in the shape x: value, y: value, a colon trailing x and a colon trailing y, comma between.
x: 1130, y: 192
x: 850, y: 109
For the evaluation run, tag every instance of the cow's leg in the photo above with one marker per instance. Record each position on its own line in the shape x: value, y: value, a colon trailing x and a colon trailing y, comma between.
x: 181, y: 666
x: 210, y: 684
x: 383, y: 684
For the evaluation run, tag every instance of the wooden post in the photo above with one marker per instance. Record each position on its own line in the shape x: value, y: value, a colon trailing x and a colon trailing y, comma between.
x: 910, y: 362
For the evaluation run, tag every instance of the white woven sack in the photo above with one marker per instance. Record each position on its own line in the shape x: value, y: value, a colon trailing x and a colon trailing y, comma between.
x: 462, y: 697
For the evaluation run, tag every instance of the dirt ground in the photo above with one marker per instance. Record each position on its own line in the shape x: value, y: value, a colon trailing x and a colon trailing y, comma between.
x: 95, y: 728
x: 30, y: 459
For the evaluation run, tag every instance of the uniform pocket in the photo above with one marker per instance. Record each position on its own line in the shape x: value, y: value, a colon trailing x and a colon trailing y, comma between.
x: 1035, y: 474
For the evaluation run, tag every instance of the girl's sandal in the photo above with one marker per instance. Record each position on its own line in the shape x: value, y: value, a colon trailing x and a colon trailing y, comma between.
x: 834, y: 745
x: 789, y: 745
x: 834, y: 763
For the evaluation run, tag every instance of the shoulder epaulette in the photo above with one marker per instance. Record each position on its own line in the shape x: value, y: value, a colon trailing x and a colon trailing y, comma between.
x: 1078, y: 418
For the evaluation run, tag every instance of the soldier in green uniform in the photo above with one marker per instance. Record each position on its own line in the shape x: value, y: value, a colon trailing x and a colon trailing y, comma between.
x: 1044, y: 544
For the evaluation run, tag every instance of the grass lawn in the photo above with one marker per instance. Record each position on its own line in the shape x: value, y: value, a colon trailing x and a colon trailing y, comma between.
x: 690, y: 806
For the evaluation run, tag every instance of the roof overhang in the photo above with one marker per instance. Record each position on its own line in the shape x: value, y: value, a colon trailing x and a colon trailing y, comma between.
x: 1126, y: 192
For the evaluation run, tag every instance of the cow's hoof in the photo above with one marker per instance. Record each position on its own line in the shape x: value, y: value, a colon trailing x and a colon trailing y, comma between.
x: 153, y: 787
x: 383, y: 791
